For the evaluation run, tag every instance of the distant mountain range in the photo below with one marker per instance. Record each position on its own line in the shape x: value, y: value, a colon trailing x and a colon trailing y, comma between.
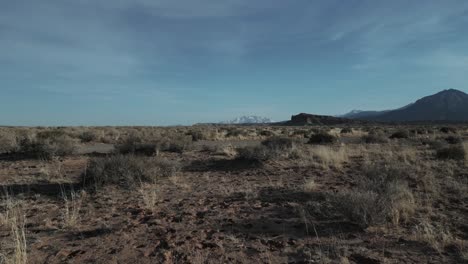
x: 448, y: 105
x: 309, y: 119
x: 248, y: 120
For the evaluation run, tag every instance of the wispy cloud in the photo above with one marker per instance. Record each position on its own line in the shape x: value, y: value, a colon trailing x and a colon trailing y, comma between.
x: 124, y: 48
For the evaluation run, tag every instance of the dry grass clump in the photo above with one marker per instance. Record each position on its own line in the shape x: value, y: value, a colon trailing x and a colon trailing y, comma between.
x: 453, y: 140
x: 266, y: 133
x: 149, y: 195
x: 178, y: 144
x: 72, y: 208
x: 346, y: 130
x: 322, y: 138
x: 330, y: 157
x: 128, y: 171
x: 14, y: 218
x: 236, y: 132
x: 453, y: 152
x: 89, y: 136
x: 436, y: 236
x: 401, y: 134
x: 310, y: 185
x: 465, y: 147
x: 47, y: 147
x: 271, y: 148
x: 382, y: 195
x: 301, y: 133
x: 133, y: 145
x: 136, y: 145
x: 374, y: 138
x: 8, y: 141
x: 204, y: 133
x: 448, y: 130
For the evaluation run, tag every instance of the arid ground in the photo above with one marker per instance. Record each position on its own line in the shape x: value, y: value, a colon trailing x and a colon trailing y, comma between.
x: 227, y: 194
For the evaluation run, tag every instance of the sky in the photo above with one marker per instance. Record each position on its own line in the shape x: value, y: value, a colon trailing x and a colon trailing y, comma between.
x: 179, y: 62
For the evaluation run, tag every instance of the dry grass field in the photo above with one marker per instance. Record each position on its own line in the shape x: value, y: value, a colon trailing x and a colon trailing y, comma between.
x: 234, y: 194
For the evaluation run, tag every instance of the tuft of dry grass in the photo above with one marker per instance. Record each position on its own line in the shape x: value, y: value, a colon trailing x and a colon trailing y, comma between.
x: 453, y: 152
x: 270, y: 149
x: 149, y: 195
x: 128, y: 171
x: 434, y: 235
x: 382, y: 195
x: 72, y: 208
x: 8, y: 141
x: 330, y: 157
x: 325, y: 157
x: 465, y: 147
x: 15, y: 218
x: 52, y: 171
x: 310, y: 185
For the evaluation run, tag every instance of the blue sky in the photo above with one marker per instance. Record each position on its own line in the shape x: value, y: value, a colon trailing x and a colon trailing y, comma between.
x: 166, y: 62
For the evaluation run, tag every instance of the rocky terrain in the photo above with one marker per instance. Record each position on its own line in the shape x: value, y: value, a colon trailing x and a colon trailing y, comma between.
x: 234, y: 195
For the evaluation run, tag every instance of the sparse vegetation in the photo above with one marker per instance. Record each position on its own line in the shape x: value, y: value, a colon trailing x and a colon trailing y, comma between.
x: 322, y: 138
x: 374, y: 138
x: 271, y: 148
x: 329, y: 157
x: 88, y: 136
x: 127, y: 171
x: 320, y: 196
x: 346, y: 130
x: 382, y: 195
x: 400, y: 134
x: 448, y: 130
x: 8, y: 142
x: 47, y: 148
x: 73, y: 202
x: 454, y: 152
x: 13, y: 218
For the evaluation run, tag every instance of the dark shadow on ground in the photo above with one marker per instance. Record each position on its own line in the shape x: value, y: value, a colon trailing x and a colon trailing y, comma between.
x: 47, y: 189
x: 225, y: 165
x: 284, y: 212
x: 85, y: 234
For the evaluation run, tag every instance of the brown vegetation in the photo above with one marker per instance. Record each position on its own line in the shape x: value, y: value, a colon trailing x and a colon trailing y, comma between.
x: 234, y: 194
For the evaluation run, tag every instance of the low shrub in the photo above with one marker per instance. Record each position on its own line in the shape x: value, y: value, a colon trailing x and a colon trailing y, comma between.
x: 255, y: 153
x: 266, y: 133
x: 400, y: 134
x: 197, y: 135
x: 271, y: 148
x: 178, y: 144
x: 236, y: 132
x: 322, y: 138
x: 88, y: 136
x: 453, y: 152
x: 454, y: 140
x: 448, y: 130
x: 127, y: 171
x: 419, y: 131
x: 51, y: 134
x: 301, y: 133
x: 47, y: 148
x: 133, y: 145
x: 382, y: 195
x: 8, y: 142
x: 375, y: 138
x: 330, y: 157
x: 346, y: 130
x: 279, y: 144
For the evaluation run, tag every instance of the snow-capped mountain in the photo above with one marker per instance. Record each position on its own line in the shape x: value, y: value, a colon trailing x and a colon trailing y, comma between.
x: 249, y: 120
